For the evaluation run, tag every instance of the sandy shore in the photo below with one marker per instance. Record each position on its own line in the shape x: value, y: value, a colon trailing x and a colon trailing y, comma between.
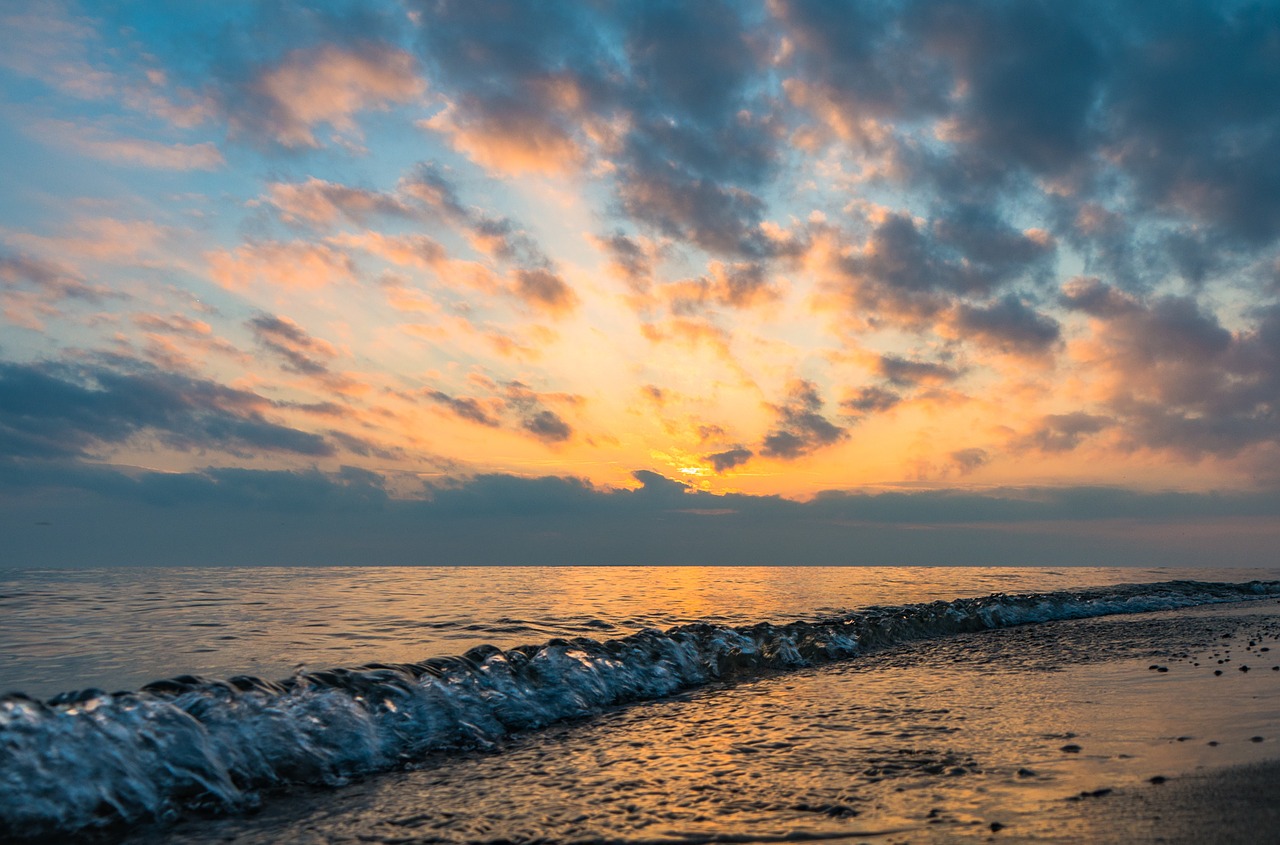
x: 1236, y: 804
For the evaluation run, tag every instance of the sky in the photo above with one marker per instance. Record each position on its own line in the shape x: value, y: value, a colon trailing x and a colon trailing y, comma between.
x: 415, y: 281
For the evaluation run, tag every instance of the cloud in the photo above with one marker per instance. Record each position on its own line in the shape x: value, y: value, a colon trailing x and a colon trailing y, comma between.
x: 870, y: 400
x: 33, y: 290
x: 319, y: 203
x: 515, y: 406
x: 724, y: 461
x: 1008, y: 325
x: 94, y: 142
x: 1062, y: 432
x: 902, y: 372
x: 465, y: 407
x: 535, y: 418
x: 969, y: 460
x: 105, y: 517
x: 1191, y: 116
x: 325, y: 85
x: 56, y: 411
x: 545, y: 291
x: 1175, y: 379
x: 300, y: 352
x: 800, y: 427
x: 739, y: 285
x: 631, y: 259
x: 300, y: 265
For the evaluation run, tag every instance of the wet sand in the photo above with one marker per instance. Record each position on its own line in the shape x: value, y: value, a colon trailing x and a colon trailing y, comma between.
x: 1044, y: 733
x: 1233, y: 805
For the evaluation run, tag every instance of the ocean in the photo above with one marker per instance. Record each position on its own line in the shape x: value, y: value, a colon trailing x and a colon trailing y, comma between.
x: 601, y: 705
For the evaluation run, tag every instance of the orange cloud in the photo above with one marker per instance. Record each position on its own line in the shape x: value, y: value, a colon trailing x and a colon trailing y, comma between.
x: 322, y: 203
x: 287, y: 264
x: 330, y: 85
x: 512, y: 142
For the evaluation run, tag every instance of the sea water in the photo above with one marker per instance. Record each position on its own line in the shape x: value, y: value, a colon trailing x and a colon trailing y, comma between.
x: 720, y: 699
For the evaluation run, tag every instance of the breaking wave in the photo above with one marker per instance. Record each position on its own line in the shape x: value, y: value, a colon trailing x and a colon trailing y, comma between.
x: 92, y: 760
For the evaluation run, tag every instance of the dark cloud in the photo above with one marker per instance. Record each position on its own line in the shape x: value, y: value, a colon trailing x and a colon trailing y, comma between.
x: 630, y: 259
x: 1178, y: 380
x: 1009, y: 325
x: 428, y: 184
x: 22, y: 271
x: 968, y: 460
x: 1194, y: 114
x: 801, y: 428
x: 722, y: 219
x: 1063, y: 432
x: 870, y: 400
x: 466, y: 407
x: 300, y: 352
x: 902, y: 372
x: 859, y: 58
x: 545, y: 290
x: 56, y: 411
x: 909, y: 271
x: 724, y: 461
x: 105, y: 517
x: 546, y: 425
x: 1029, y: 76
x: 515, y: 406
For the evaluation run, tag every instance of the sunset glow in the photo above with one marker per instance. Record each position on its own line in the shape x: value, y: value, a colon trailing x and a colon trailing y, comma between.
x: 971, y: 259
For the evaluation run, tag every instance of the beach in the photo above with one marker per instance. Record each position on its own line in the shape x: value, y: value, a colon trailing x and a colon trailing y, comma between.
x: 970, y: 739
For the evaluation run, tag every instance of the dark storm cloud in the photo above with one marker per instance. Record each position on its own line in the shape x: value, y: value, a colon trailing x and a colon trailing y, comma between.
x: 54, y: 411
x: 1009, y: 325
x: 801, y: 428
x: 724, y: 461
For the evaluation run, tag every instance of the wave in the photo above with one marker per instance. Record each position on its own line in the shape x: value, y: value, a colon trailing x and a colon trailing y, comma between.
x: 91, y: 760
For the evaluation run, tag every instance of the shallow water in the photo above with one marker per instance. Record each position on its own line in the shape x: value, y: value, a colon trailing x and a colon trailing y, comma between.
x: 840, y: 724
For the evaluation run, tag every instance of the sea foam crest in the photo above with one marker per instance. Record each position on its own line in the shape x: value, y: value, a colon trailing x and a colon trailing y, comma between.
x: 93, y: 760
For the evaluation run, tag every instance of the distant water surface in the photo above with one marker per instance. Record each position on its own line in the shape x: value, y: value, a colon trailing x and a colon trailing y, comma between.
x: 117, y: 629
